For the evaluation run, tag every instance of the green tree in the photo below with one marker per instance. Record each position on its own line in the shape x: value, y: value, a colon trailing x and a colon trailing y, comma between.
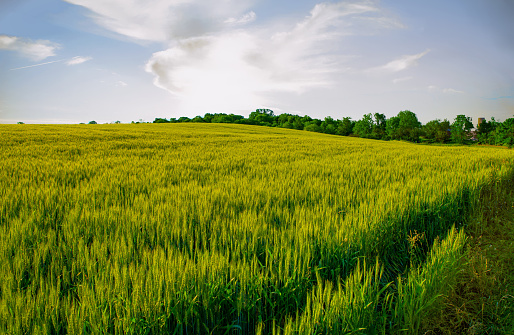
x: 221, y: 118
x: 461, y: 129
x: 504, y: 133
x: 364, y: 126
x: 208, y: 117
x: 297, y: 123
x: 313, y: 125
x: 197, y: 118
x: 283, y: 121
x: 237, y: 118
x: 263, y: 117
x: 437, y: 131
x: 160, y: 120
x: 328, y: 126
x: 392, y: 125
x: 92, y: 122
x: 405, y: 126
x: 485, y: 131
x: 409, y: 127
x: 379, y: 127
x: 345, y: 126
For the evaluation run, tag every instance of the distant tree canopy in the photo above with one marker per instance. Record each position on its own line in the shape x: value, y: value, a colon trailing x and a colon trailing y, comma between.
x: 461, y: 129
x: 364, y: 127
x: 405, y: 126
x: 438, y: 131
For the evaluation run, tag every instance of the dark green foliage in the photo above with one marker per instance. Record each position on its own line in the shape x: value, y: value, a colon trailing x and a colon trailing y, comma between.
x: 345, y: 127
x: 364, y: 127
x: 312, y: 126
x: 184, y: 119
x: 263, y: 117
x: 392, y: 125
x: 504, y: 133
x: 160, y: 120
x: 461, y: 129
x: 379, y: 127
x: 405, y: 126
x: 92, y: 122
x: 329, y: 125
x: 486, y: 131
x: 198, y: 118
x: 437, y: 131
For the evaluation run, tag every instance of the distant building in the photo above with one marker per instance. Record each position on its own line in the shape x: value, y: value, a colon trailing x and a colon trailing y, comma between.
x: 480, y: 121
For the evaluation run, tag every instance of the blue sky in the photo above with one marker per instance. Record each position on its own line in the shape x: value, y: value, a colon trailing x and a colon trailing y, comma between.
x: 106, y: 60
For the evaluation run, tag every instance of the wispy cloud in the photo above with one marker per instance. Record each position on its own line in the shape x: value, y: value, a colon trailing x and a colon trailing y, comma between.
x: 74, y: 61
x: 163, y: 20
x: 452, y: 91
x: 400, y: 64
x: 402, y: 79
x: 35, y: 65
x: 35, y: 50
x: 433, y: 88
x: 247, y: 18
x: 78, y: 60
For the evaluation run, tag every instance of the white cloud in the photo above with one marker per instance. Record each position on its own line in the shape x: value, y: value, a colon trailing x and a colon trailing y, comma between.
x: 247, y: 18
x: 214, y: 63
x: 236, y: 69
x: 78, y: 60
x: 402, y: 63
x: 452, y: 91
x: 163, y: 20
x: 121, y: 83
x: 400, y: 80
x: 36, y: 51
x: 433, y: 88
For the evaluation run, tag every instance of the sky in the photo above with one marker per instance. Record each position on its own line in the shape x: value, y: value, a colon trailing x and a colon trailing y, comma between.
x: 135, y: 60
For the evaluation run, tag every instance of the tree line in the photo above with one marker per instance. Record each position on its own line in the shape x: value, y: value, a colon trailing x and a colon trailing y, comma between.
x: 404, y: 126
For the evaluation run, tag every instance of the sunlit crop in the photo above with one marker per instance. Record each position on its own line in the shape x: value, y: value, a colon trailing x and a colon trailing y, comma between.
x: 209, y: 228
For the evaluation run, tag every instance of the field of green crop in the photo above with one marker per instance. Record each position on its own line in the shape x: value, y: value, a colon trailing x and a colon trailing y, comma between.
x: 214, y: 229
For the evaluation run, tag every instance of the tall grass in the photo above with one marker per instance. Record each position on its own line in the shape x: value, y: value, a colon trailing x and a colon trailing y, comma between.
x: 226, y: 228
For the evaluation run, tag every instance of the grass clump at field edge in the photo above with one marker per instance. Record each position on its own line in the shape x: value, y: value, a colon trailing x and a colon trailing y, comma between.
x: 482, y: 301
x: 208, y: 228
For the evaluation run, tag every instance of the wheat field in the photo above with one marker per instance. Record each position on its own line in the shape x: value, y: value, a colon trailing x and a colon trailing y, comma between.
x: 215, y: 229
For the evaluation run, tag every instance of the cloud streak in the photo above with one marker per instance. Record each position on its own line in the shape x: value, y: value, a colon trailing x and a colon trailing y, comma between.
x: 35, y: 65
x: 36, y: 51
x: 400, y: 64
x: 74, y: 61
x: 78, y: 60
x: 433, y: 88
